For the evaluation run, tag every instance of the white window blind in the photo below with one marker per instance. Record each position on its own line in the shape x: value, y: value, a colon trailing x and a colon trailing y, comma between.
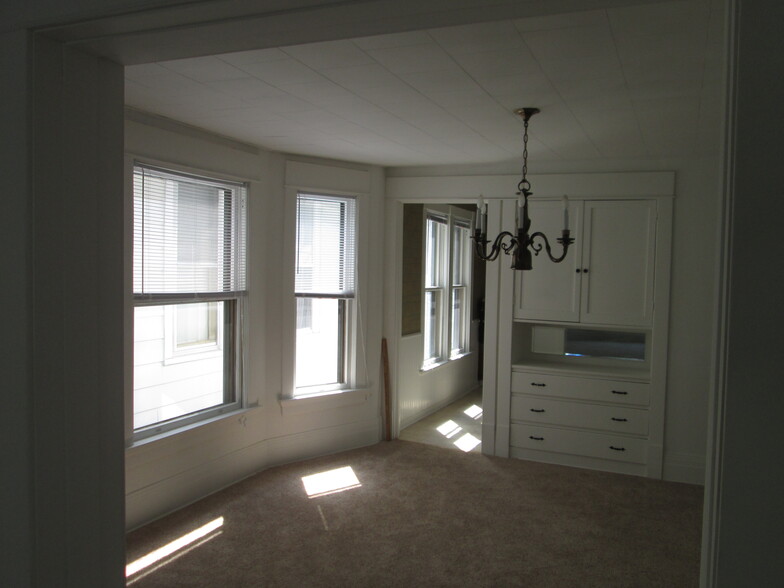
x: 326, y: 246
x: 189, y: 234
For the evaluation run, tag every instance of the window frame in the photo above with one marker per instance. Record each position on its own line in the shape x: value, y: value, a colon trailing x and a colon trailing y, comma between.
x: 347, y: 307
x: 230, y: 330
x: 452, y: 217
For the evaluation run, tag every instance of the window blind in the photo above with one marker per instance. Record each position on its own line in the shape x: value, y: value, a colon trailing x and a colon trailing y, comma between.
x: 326, y: 246
x: 189, y: 234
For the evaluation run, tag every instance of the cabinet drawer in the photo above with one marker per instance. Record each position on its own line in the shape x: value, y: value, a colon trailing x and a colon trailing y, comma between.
x: 615, y: 391
x: 579, y: 443
x: 613, y: 419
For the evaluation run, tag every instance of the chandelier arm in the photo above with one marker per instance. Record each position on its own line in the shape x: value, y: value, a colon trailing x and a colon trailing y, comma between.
x: 480, y: 246
x: 564, y: 240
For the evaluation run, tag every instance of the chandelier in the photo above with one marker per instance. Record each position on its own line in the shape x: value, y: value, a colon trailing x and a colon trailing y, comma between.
x: 519, y: 246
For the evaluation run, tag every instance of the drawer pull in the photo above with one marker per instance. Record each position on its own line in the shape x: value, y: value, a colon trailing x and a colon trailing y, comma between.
x: 617, y: 420
x: 621, y: 392
x: 538, y: 384
x: 536, y: 438
x: 617, y: 448
x: 537, y: 410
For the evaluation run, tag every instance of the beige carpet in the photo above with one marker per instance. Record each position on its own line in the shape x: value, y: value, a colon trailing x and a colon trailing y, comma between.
x: 427, y: 516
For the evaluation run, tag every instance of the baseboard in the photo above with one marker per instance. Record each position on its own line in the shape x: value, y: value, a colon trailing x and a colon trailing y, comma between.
x: 688, y: 468
x: 437, y: 406
x: 161, y: 498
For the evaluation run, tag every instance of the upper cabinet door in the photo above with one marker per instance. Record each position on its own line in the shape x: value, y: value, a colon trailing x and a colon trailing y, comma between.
x: 551, y: 291
x: 619, y: 242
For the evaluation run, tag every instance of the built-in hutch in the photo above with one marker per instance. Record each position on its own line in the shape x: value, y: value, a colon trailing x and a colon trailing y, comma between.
x: 588, y: 352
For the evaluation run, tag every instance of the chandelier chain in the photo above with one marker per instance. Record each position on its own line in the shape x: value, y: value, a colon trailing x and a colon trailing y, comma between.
x: 525, y: 185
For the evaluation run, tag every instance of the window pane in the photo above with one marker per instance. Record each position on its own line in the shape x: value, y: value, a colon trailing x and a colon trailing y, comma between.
x: 173, y: 377
x: 458, y: 321
x: 435, y: 250
x: 460, y: 254
x: 432, y: 326
x: 197, y: 324
x: 320, y: 328
x: 325, y: 248
x: 189, y: 234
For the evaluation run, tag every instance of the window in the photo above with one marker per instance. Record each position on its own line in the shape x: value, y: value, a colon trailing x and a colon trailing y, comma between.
x: 447, y: 285
x: 325, y: 289
x: 189, y: 260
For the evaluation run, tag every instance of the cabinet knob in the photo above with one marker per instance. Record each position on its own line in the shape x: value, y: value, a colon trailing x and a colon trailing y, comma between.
x: 577, y: 270
x: 585, y: 270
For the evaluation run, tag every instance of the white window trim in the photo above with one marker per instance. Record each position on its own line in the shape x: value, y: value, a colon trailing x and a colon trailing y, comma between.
x: 355, y: 369
x: 187, y: 422
x: 445, y: 356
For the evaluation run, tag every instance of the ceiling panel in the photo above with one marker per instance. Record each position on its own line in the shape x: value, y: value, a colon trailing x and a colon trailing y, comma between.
x: 638, y: 81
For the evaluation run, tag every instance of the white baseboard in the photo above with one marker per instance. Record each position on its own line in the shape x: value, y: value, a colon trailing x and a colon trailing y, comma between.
x: 161, y: 498
x: 688, y: 468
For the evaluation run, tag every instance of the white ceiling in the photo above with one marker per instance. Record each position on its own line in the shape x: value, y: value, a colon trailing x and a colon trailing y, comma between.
x: 631, y: 82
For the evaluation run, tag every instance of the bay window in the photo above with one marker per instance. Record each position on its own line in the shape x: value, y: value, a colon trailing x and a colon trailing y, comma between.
x: 189, y: 259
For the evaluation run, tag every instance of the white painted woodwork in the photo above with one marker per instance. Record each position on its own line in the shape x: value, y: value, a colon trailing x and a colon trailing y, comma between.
x: 607, y: 276
x: 573, y: 442
x: 617, y: 419
x: 619, y: 250
x: 551, y: 291
x: 580, y: 388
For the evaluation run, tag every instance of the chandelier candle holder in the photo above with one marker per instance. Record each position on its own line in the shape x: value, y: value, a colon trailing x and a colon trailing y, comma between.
x: 519, y: 245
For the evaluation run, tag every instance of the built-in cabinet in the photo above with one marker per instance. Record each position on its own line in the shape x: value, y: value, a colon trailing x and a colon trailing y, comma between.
x: 608, y: 275
x: 587, y: 384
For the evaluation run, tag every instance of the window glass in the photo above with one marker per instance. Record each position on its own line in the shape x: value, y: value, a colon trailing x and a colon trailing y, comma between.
x: 170, y: 383
x: 319, y: 341
x: 188, y: 285
x: 324, y: 287
x: 432, y: 331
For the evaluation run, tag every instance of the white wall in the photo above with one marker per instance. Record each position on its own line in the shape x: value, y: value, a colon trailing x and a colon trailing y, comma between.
x: 692, y: 301
x: 165, y: 473
x: 422, y: 393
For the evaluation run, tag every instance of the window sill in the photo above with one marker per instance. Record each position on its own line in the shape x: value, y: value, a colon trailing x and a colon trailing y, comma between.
x: 323, y: 401
x: 431, y: 367
x: 239, y: 414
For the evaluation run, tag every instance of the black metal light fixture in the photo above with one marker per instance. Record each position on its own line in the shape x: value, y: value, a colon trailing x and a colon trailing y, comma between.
x: 520, y: 246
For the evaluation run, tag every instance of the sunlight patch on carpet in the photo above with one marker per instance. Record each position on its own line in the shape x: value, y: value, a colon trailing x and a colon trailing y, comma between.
x: 330, y: 482
x: 173, y: 547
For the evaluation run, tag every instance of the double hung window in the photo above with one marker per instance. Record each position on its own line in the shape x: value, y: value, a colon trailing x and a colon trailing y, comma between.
x: 447, y: 285
x: 325, y: 290
x: 189, y: 259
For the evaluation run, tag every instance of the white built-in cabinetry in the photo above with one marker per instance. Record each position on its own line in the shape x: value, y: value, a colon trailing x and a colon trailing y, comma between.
x: 598, y: 412
x: 608, y: 275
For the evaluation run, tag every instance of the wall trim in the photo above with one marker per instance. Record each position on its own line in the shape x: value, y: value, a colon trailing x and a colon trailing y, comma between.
x: 174, y: 493
x: 579, y: 185
x: 688, y: 468
x: 169, y: 124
